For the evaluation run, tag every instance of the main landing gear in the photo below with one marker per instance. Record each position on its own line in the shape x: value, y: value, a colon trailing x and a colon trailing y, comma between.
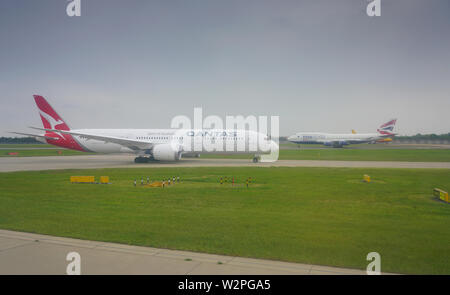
x: 256, y: 159
x: 142, y: 160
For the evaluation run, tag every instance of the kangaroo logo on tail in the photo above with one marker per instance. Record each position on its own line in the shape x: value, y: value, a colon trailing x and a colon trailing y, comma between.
x: 51, y: 120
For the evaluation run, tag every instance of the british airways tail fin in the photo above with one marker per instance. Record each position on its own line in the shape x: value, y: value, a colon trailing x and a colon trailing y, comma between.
x: 387, y: 129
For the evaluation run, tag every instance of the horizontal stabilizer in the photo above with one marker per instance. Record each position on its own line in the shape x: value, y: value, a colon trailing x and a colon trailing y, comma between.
x: 36, y: 135
x: 133, y: 144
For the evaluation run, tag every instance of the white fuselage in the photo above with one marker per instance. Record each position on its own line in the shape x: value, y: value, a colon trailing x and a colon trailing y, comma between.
x: 186, y: 141
x: 333, y: 139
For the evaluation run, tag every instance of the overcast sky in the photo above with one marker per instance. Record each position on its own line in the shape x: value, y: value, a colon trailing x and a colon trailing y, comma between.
x: 320, y: 65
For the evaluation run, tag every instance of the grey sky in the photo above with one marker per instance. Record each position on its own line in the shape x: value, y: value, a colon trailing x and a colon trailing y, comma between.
x: 319, y: 65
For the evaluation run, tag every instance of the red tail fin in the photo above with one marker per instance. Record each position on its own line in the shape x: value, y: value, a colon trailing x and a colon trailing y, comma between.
x: 50, y: 118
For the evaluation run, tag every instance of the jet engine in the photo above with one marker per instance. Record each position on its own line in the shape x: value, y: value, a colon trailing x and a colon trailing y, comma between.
x: 166, y: 152
x: 335, y: 144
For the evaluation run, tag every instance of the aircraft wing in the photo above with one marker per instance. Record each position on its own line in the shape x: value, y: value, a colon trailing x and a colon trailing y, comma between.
x: 388, y: 135
x: 364, y: 140
x: 344, y: 142
x: 126, y: 142
x: 36, y: 135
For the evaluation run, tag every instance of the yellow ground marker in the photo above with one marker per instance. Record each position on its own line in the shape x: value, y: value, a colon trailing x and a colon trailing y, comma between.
x: 104, y: 179
x: 82, y: 179
x: 443, y: 195
x: 155, y: 184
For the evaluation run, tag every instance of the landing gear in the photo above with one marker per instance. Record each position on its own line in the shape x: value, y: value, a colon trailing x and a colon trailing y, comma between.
x: 256, y: 159
x: 142, y: 160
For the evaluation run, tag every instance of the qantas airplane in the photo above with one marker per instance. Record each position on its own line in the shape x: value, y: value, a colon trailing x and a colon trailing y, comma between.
x: 149, y: 144
x: 339, y: 140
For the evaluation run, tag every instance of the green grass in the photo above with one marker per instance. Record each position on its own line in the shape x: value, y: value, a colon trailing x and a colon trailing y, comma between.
x: 410, y: 155
x: 364, y: 152
x: 42, y: 152
x: 321, y: 216
x: 25, y: 145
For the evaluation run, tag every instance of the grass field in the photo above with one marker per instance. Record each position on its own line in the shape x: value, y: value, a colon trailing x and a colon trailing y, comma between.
x: 25, y: 145
x: 42, y: 152
x: 310, y: 154
x: 410, y: 155
x: 321, y: 216
x: 360, y: 153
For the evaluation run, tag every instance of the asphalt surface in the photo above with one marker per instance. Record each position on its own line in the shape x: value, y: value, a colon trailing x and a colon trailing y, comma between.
x: 8, y: 164
x: 34, y: 254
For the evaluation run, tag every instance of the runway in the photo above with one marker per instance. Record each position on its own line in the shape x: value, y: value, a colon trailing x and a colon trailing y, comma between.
x: 34, y: 254
x: 127, y: 161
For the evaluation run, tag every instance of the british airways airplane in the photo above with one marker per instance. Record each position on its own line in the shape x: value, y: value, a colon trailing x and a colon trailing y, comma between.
x: 149, y: 144
x: 339, y: 140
